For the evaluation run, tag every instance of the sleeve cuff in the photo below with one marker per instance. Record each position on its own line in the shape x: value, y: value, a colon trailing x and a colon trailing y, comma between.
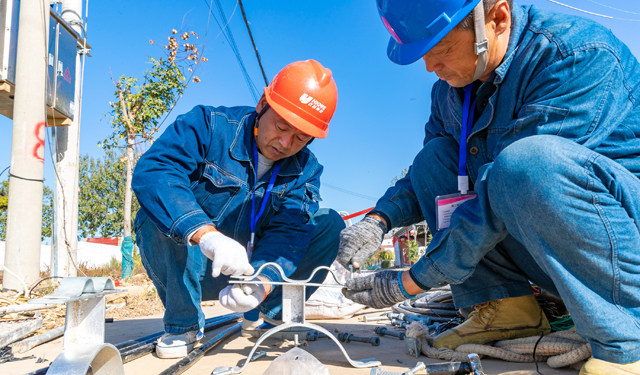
x: 271, y: 273
x: 426, y: 275
x: 186, y: 225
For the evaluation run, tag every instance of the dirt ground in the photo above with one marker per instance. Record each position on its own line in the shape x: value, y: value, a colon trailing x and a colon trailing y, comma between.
x: 234, y: 350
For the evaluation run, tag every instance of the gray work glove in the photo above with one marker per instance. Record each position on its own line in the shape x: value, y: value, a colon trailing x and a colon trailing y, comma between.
x: 360, y: 241
x: 379, y: 290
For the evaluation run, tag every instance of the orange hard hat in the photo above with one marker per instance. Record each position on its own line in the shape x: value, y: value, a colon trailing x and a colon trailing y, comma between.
x: 305, y: 95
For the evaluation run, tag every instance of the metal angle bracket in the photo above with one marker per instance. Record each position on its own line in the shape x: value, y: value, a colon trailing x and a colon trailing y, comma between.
x: 293, y: 314
x: 84, y: 350
x: 364, y: 363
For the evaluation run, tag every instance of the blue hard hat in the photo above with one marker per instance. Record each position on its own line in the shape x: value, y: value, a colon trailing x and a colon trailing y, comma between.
x: 416, y: 26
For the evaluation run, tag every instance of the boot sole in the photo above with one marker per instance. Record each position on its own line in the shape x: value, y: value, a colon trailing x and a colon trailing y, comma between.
x: 484, y: 337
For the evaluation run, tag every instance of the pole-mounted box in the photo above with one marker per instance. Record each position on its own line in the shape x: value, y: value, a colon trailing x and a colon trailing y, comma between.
x: 63, y: 45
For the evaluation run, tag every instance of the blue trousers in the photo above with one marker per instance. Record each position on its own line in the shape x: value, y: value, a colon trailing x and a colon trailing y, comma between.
x: 548, y: 211
x: 182, y: 274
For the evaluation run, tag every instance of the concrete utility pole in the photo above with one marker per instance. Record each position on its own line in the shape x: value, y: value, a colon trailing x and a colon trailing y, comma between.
x: 24, y: 216
x: 65, y: 227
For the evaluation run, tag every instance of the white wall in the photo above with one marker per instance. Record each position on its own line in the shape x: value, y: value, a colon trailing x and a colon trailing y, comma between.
x: 93, y: 254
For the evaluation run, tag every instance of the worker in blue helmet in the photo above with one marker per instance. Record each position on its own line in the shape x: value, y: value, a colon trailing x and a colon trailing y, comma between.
x: 529, y: 174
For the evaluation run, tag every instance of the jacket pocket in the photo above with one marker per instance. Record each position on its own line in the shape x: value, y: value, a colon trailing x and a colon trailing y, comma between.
x: 541, y: 119
x: 311, y: 199
x: 217, y: 190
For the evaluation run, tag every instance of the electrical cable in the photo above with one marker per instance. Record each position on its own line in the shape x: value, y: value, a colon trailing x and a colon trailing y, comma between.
x: 349, y: 192
x: 4, y: 170
x: 592, y: 13
x: 266, y: 82
x: 610, y: 7
x: 49, y: 138
x: 234, y: 48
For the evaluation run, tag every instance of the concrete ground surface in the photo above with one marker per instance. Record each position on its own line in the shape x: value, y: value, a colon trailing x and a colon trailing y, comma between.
x: 233, y: 351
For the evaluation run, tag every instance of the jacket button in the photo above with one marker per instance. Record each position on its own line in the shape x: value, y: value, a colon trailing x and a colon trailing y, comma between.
x: 473, y: 150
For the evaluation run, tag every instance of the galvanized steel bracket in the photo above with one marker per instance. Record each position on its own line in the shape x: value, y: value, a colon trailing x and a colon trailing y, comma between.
x: 84, y: 350
x: 293, y: 314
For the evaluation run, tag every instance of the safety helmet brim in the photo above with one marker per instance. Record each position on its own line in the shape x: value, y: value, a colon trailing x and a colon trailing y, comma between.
x: 404, y: 54
x: 293, y: 119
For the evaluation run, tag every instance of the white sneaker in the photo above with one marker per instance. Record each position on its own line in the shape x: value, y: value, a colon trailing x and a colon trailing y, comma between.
x: 177, y: 346
x: 250, y: 325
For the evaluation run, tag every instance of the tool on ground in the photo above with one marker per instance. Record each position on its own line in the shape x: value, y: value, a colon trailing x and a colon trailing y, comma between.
x: 472, y: 366
x: 84, y: 327
x: 411, y: 346
x: 372, y: 318
x: 385, y: 332
x: 400, y: 323
x: 185, y: 363
x: 259, y: 355
x: 315, y: 335
x: 349, y: 337
x: 293, y: 314
x: 409, y: 318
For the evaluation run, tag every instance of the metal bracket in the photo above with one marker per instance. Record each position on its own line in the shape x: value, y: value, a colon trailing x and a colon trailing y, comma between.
x: 84, y: 350
x: 293, y: 314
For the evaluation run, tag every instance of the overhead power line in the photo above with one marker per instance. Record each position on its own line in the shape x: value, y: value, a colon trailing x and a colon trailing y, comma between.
x: 266, y: 82
x: 592, y: 13
x: 350, y: 192
x: 610, y: 7
x: 234, y: 48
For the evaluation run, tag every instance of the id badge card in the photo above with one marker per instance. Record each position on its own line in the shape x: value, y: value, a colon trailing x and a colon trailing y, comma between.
x: 446, y: 204
x: 250, y: 250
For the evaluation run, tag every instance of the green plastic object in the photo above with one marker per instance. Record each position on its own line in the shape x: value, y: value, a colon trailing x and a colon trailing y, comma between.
x: 127, y: 257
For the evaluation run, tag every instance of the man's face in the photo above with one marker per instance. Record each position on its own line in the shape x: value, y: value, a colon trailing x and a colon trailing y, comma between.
x: 453, y: 59
x: 277, y: 139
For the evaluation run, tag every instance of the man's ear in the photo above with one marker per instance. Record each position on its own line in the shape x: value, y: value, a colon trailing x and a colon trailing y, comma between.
x: 501, y: 16
x: 261, y: 103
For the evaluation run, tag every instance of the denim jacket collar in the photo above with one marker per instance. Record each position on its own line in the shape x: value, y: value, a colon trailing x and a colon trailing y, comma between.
x: 518, y: 24
x: 242, y: 145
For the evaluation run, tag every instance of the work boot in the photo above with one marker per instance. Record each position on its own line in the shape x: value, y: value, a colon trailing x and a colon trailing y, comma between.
x: 177, y: 346
x: 600, y: 367
x: 503, y: 319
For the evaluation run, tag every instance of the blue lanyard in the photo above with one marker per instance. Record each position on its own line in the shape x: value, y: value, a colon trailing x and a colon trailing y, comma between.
x: 274, y: 174
x: 468, y: 110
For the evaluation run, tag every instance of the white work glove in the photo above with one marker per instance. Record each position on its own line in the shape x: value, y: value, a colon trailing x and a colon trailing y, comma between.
x: 242, y: 297
x: 228, y: 256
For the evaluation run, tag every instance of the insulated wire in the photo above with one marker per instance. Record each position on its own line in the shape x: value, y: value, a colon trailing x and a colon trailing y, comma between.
x: 246, y: 22
x: 592, y: 13
x: 49, y: 139
x: 610, y: 7
x: 229, y: 37
x: 349, y: 192
x: 252, y: 86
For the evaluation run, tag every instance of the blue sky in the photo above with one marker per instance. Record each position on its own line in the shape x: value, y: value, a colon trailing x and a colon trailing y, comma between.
x: 382, y: 107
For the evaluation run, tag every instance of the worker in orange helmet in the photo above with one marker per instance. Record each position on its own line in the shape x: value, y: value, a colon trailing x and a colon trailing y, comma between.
x: 225, y: 190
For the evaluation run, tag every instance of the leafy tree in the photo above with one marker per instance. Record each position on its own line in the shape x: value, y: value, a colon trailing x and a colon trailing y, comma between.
x: 413, y: 250
x: 102, y: 191
x: 136, y: 112
x: 47, y: 210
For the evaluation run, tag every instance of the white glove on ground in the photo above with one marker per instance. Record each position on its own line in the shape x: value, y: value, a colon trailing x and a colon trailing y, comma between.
x: 242, y: 298
x: 228, y: 256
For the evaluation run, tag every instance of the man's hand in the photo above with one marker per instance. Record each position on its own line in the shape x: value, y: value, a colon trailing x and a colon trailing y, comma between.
x: 360, y: 241
x: 228, y: 256
x: 242, y: 297
x: 379, y: 290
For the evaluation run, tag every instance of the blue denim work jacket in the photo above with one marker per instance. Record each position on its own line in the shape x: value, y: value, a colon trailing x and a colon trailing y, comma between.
x: 561, y: 75
x: 201, y: 171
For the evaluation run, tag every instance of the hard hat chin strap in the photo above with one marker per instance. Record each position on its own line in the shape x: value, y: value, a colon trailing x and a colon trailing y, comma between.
x: 482, y: 43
